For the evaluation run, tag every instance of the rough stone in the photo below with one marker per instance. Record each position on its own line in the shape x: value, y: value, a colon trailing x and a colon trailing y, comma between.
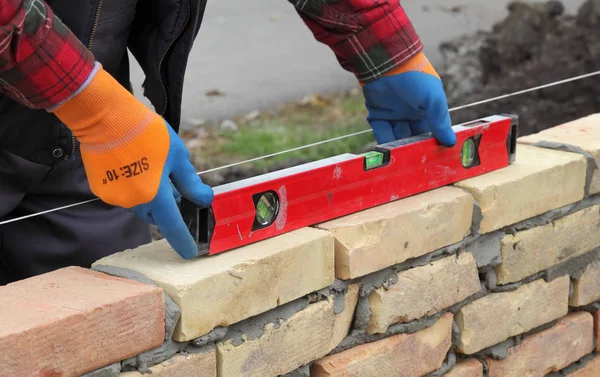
x: 538, y: 181
x: 583, y: 133
x: 227, y: 288
x: 586, y: 289
x: 202, y: 364
x: 73, y: 321
x: 289, y: 344
x: 423, y: 291
x: 549, y: 350
x: 404, y: 355
x: 499, y: 316
x: 528, y: 252
x: 466, y: 368
x: 591, y: 369
x: 380, y: 237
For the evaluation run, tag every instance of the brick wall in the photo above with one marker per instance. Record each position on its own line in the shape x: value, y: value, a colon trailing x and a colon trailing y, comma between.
x: 498, y: 275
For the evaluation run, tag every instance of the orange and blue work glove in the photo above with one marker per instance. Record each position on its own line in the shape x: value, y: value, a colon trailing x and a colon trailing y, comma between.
x: 408, y: 101
x: 131, y: 155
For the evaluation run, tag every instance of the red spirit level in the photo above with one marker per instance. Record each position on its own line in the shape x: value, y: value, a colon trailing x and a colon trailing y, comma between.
x: 268, y: 205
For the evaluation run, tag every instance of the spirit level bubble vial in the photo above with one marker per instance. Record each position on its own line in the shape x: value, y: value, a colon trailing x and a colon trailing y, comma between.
x: 268, y: 205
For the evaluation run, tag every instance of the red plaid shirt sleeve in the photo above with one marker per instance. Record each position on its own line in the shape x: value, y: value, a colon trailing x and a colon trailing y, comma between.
x: 41, y: 62
x: 368, y: 37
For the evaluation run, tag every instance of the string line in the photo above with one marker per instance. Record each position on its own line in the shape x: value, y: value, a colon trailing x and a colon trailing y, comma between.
x: 477, y: 103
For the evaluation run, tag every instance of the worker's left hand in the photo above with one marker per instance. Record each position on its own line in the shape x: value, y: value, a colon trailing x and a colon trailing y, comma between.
x: 409, y: 101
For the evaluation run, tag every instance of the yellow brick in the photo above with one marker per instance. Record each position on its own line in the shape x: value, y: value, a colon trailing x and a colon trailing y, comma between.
x: 403, y: 355
x: 499, y: 316
x: 537, y: 249
x: 198, y: 364
x: 423, y: 291
x: 307, y: 335
x: 380, y: 237
x: 583, y: 133
x: 227, y: 288
x: 587, y: 288
x: 538, y: 181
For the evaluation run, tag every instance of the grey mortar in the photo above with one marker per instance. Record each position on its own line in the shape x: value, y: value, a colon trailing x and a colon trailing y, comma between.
x: 591, y: 162
x: 214, y: 336
x: 145, y: 360
x: 477, y: 216
x: 492, y: 283
x: 500, y: 351
x: 172, y: 311
x: 446, y: 366
x: 579, y: 364
x: 552, y: 215
x: 592, y: 308
x: 254, y: 327
x: 486, y: 249
x: 303, y: 371
x: 113, y: 370
x: 338, y: 290
x: 574, y: 266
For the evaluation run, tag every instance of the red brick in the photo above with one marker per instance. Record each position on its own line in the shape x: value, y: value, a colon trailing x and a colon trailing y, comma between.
x: 545, y: 352
x: 597, y: 329
x: 467, y: 368
x: 592, y: 369
x: 403, y: 355
x: 72, y: 321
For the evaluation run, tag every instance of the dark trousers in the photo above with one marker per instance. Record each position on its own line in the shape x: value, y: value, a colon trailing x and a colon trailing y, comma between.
x: 76, y: 236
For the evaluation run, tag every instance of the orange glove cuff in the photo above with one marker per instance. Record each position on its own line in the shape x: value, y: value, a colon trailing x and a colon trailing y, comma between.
x: 124, y: 144
x: 418, y: 63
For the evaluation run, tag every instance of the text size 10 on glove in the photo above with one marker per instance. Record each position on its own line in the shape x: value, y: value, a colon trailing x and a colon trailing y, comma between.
x: 131, y: 156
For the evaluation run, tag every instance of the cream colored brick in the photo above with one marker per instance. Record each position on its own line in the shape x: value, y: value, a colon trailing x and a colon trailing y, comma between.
x: 587, y: 288
x: 307, y: 335
x: 548, y: 351
x: 499, y: 316
x: 227, y: 288
x: 403, y: 355
x: 583, y: 133
x: 537, y: 249
x: 467, y: 368
x: 380, y: 237
x: 195, y: 364
x: 538, y: 181
x: 423, y: 291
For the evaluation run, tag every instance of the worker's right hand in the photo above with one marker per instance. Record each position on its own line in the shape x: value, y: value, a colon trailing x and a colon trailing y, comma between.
x: 131, y: 155
x: 408, y: 101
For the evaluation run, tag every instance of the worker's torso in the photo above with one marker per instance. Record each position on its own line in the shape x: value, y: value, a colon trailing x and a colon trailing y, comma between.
x: 105, y: 26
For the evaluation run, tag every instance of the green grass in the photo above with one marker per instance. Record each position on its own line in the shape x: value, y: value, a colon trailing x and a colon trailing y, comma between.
x: 288, y: 127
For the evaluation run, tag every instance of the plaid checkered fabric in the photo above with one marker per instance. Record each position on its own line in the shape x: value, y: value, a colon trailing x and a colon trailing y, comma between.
x: 368, y: 37
x: 41, y: 61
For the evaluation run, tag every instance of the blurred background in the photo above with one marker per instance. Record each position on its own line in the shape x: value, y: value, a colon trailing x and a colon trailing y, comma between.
x: 257, y: 82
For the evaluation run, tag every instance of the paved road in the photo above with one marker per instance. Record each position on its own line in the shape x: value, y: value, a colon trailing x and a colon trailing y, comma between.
x: 262, y: 54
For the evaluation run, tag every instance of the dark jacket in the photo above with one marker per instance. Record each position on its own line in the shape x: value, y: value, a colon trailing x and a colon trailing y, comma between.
x: 159, y: 33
